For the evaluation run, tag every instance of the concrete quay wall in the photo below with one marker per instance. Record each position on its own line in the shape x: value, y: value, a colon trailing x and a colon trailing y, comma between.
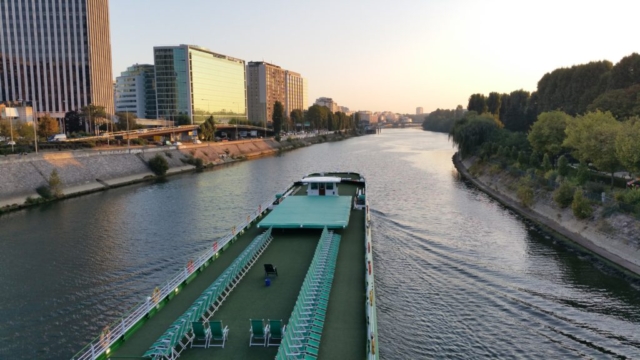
x: 92, y: 170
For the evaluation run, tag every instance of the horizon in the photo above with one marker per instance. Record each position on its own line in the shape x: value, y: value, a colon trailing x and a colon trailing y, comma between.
x: 367, y: 56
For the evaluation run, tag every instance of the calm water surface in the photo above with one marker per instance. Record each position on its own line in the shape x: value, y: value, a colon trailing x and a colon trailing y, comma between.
x: 458, y: 275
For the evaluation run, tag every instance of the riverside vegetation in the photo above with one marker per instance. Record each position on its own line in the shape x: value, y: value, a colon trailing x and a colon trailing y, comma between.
x: 563, y: 144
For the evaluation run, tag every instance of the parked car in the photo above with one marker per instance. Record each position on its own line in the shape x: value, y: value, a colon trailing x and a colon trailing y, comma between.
x: 634, y: 184
x: 196, y: 141
x: 57, y: 137
x: 11, y: 142
x: 177, y: 143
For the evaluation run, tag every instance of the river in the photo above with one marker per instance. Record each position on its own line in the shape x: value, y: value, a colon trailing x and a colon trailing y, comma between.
x: 458, y: 275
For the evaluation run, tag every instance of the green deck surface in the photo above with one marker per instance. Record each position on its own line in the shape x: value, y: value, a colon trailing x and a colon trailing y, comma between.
x: 344, y: 333
x: 310, y: 212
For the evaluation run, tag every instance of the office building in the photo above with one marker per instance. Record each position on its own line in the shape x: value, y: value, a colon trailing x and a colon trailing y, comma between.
x: 135, y: 91
x: 194, y: 83
x: 419, y: 111
x: 296, y: 92
x: 56, y: 54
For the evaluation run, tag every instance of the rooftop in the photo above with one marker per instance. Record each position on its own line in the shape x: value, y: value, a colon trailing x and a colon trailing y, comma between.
x: 310, y: 212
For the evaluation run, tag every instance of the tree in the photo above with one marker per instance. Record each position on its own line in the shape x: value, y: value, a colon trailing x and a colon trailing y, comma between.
x: 546, y: 163
x: 548, y: 133
x: 277, y: 117
x: 297, y: 117
x: 208, y: 129
x: 628, y: 145
x: 515, y: 117
x: 493, y: 103
x: 472, y: 131
x: 563, y: 166
x: 74, y: 122
x: 159, y: 165
x: 25, y: 132
x: 477, y: 103
x: 182, y: 120
x: 93, y: 114
x: 593, y: 139
x: 48, y: 126
x: 622, y: 103
x: 5, y: 129
x: 314, y: 115
x: 126, y: 121
x: 625, y: 73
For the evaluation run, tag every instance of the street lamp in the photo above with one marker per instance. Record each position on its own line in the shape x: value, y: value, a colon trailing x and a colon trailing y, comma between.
x: 238, y: 107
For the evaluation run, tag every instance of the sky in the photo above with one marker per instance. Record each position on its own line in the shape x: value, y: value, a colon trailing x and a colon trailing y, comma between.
x: 387, y: 55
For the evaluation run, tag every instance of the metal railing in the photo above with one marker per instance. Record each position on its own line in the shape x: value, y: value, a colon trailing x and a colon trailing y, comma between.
x: 117, y: 329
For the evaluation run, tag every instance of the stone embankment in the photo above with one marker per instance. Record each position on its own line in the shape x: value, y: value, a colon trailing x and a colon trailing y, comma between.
x: 85, y: 171
x: 620, y: 244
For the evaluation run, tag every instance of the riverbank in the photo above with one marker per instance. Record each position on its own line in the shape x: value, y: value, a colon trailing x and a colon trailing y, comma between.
x: 87, y: 171
x: 619, y: 247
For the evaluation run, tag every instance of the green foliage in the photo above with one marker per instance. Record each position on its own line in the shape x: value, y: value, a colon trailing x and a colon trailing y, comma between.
x: 563, y: 195
x: 472, y: 131
x: 525, y: 192
x: 625, y: 73
x: 182, y: 120
x: 494, y: 102
x: 277, y: 117
x: 628, y: 197
x: 199, y: 163
x: 580, y: 205
x: 208, y: 129
x: 593, y: 139
x: 477, y: 103
x: 622, y: 103
x: 515, y: 116
x: 55, y: 184
x: 45, y: 192
x: 523, y: 159
x: 126, y: 121
x: 514, y: 153
x: 582, y: 174
x: 594, y: 187
x: 572, y: 89
x: 627, y: 145
x: 534, y: 160
x: 548, y: 133
x: 546, y: 163
x: 159, y: 165
x: 563, y: 166
x: 441, y: 120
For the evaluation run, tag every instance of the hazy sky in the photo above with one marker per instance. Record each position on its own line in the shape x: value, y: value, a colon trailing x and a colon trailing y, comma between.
x: 388, y: 55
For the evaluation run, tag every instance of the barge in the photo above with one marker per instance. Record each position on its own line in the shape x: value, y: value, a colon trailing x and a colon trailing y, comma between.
x: 295, y: 280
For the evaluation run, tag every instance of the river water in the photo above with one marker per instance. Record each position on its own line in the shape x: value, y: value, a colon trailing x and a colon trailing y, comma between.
x: 458, y: 275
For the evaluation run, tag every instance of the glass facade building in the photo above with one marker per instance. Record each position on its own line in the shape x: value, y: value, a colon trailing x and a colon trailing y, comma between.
x: 56, y: 53
x: 136, y: 91
x: 193, y: 83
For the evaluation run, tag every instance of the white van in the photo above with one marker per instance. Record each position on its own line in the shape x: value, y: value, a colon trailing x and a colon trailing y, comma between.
x: 57, y: 137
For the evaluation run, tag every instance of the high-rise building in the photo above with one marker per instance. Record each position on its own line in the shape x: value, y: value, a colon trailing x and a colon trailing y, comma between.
x: 56, y: 54
x: 419, y: 110
x: 265, y: 86
x: 194, y: 83
x: 135, y: 91
x: 296, y: 90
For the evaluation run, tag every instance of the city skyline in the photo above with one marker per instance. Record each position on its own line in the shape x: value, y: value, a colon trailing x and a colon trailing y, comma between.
x: 369, y: 56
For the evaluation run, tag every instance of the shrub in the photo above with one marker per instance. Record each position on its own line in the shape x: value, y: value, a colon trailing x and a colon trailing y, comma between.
x: 168, y: 154
x: 525, y: 192
x: 522, y: 158
x: 551, y: 175
x: 563, y: 195
x: 159, y: 165
x: 628, y: 197
x: 55, y: 184
x: 594, y: 187
x: 582, y: 175
x: 44, y: 192
x: 277, y: 138
x: 563, y: 166
x: 580, y: 205
x: 546, y: 163
x: 199, y: 163
x: 534, y: 160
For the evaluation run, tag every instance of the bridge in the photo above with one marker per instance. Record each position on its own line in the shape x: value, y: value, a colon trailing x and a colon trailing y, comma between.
x: 231, y: 130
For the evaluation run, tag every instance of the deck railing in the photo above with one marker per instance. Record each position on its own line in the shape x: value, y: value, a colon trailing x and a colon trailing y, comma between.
x: 116, y: 330
x: 372, y: 317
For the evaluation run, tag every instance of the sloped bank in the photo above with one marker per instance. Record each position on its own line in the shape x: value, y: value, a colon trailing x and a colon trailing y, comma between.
x: 87, y: 171
x: 622, y: 250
